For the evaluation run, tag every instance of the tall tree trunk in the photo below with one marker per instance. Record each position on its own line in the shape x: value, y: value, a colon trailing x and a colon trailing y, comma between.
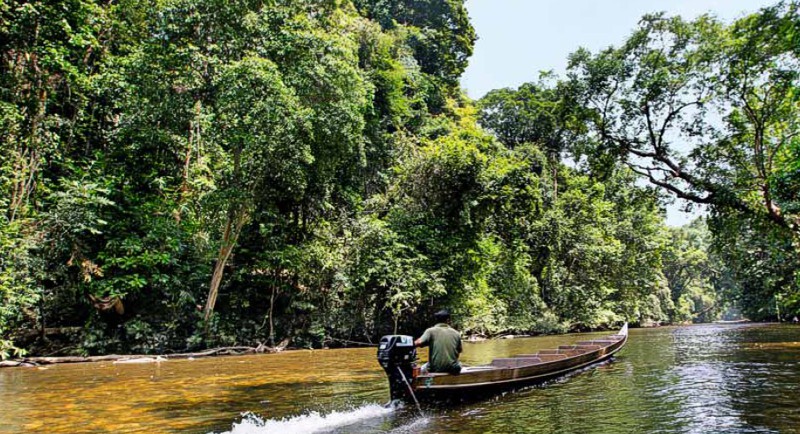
x: 27, y: 167
x: 233, y: 227
x: 555, y: 181
x: 237, y: 217
x: 271, y: 310
x: 194, y: 142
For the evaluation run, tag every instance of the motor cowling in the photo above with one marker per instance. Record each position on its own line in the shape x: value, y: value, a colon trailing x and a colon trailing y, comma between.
x: 398, y: 357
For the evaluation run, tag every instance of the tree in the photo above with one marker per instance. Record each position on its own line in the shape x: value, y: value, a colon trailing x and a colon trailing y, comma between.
x: 538, y: 113
x: 49, y: 52
x: 709, y: 114
x: 702, y: 110
x: 693, y: 273
x: 260, y: 126
x: 442, y: 36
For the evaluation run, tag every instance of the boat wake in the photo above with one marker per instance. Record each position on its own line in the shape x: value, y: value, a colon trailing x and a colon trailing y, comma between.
x: 412, y: 427
x: 314, y: 422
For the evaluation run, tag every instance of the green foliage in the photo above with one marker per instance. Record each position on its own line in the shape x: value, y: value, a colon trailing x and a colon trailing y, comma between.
x: 540, y: 113
x: 694, y: 274
x: 440, y: 32
x: 310, y: 170
x: 19, y: 292
x: 761, y: 265
x: 708, y: 112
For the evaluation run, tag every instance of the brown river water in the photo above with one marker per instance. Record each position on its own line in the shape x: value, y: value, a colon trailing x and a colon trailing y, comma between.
x: 698, y: 379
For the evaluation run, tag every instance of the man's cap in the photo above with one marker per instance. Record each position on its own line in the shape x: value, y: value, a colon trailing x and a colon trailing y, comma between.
x: 443, y: 314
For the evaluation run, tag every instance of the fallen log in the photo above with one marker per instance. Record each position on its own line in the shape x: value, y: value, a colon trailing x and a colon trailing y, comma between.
x: 157, y: 359
x: 15, y: 363
x: 72, y: 359
x: 145, y: 358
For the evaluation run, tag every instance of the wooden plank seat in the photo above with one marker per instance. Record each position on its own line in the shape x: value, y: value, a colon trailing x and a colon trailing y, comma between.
x: 571, y: 352
x: 515, y: 362
x: 543, y: 357
x: 552, y: 357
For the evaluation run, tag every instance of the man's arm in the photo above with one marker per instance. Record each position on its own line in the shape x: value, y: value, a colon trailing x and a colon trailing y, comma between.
x: 458, y: 347
x: 423, y: 340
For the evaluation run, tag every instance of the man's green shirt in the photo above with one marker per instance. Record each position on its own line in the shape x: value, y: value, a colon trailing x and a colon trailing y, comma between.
x: 445, y: 343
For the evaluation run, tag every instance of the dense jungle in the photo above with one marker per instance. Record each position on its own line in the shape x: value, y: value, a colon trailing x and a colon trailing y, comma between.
x: 178, y: 175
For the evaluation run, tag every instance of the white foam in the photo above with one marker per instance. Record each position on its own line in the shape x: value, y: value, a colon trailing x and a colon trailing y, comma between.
x: 414, y: 427
x: 309, y: 423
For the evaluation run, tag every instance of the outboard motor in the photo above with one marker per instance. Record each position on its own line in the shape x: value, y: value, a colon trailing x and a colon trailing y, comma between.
x: 398, y: 357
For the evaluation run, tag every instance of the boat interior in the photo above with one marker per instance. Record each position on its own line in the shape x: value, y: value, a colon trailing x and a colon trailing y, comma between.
x: 542, y: 356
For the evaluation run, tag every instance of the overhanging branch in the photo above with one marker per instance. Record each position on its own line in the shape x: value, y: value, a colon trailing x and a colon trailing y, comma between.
x: 683, y: 194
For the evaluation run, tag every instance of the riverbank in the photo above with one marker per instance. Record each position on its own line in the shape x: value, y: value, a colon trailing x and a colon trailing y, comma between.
x: 34, y: 361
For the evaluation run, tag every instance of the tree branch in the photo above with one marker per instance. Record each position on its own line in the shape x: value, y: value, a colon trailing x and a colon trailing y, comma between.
x: 708, y: 200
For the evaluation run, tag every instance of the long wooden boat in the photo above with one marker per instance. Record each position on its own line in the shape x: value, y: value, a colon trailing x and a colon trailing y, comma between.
x: 505, y: 372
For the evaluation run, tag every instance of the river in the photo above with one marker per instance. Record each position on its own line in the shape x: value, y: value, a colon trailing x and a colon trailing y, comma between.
x: 697, y: 379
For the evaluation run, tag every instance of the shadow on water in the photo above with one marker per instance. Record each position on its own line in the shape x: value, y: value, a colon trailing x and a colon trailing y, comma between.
x: 698, y: 379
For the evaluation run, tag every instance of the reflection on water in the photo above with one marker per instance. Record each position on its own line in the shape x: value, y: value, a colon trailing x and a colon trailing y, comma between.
x: 711, y: 378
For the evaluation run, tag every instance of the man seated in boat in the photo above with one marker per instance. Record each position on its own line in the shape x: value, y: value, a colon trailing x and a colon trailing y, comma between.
x: 445, y: 345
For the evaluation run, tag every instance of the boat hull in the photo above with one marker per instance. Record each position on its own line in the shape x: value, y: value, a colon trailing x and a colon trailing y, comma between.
x: 518, y: 371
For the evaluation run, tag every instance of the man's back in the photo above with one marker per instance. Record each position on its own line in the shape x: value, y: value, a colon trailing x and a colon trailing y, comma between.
x: 445, y: 346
